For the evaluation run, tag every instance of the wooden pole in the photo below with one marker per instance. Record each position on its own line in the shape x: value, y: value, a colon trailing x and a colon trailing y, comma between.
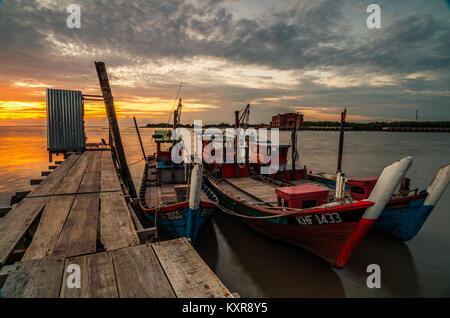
x: 236, y: 126
x: 294, y: 147
x: 114, y: 127
x: 341, y: 141
x: 139, y: 136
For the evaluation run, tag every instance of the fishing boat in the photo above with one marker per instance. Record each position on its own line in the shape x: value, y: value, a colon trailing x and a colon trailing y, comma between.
x: 405, y: 212
x: 172, y: 198
x: 302, y: 215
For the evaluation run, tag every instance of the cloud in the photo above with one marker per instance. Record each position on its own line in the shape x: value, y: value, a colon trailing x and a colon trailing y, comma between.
x: 312, y: 52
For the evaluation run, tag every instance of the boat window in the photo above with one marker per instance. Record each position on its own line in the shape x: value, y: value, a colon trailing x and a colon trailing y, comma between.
x: 308, y: 204
x: 356, y: 189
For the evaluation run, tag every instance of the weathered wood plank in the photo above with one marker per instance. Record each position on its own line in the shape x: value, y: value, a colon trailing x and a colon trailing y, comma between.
x: 17, y: 221
x: 53, y: 180
x: 187, y: 272
x: 116, y: 227
x: 109, y: 179
x: 91, y: 179
x: 49, y: 228
x: 139, y: 274
x: 79, y: 234
x: 37, y: 279
x: 97, y: 277
x: 55, y: 213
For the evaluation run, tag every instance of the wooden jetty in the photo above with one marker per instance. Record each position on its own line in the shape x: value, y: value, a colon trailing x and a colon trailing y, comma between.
x: 79, y: 215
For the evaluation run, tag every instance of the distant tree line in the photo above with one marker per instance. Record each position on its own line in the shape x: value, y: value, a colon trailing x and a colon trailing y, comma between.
x: 373, y: 126
x: 379, y: 125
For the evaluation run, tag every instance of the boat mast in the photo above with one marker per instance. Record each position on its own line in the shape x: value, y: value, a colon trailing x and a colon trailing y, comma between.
x: 340, y: 178
x: 294, y: 153
x: 341, y: 141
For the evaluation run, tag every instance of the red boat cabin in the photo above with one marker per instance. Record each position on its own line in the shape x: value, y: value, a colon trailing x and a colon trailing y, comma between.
x: 301, y: 196
x: 361, y: 188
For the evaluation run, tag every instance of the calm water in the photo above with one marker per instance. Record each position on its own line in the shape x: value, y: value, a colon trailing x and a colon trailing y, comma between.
x: 255, y: 266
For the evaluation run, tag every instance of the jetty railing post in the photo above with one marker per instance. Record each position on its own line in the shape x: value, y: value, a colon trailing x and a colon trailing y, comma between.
x: 341, y: 141
x: 139, y: 136
x: 114, y: 127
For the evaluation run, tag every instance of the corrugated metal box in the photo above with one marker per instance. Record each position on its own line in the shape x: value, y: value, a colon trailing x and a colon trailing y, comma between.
x: 65, y: 120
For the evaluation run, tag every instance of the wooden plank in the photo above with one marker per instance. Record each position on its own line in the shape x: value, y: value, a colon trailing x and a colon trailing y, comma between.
x: 188, y: 274
x: 79, y: 234
x: 17, y: 221
x: 50, y: 226
x: 109, y: 179
x: 53, y: 180
x: 116, y: 227
x: 37, y: 279
x: 35, y: 181
x: 97, y: 277
x: 55, y: 213
x: 91, y: 179
x: 14, y: 224
x: 139, y: 274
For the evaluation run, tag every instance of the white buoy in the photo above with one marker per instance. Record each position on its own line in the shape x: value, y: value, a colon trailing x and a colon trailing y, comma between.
x: 387, y: 183
x: 440, y: 182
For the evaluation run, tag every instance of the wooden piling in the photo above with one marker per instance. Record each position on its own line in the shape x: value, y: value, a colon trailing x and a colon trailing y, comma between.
x: 114, y: 127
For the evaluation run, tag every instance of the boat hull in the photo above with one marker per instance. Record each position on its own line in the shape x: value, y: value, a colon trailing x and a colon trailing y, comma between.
x: 332, y: 235
x: 402, y: 218
x: 174, y: 220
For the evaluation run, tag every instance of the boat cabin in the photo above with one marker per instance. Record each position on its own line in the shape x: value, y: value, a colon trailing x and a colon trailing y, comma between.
x: 166, y: 170
x: 301, y: 196
x: 361, y: 188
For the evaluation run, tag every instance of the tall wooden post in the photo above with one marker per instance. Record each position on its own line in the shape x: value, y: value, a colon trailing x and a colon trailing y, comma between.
x: 114, y: 127
x: 341, y: 141
x: 139, y: 136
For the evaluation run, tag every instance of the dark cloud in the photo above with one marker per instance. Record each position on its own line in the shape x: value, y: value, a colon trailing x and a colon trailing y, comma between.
x: 303, y: 36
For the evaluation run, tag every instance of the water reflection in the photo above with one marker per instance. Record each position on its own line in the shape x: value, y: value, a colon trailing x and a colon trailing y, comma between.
x: 255, y: 266
x: 276, y: 269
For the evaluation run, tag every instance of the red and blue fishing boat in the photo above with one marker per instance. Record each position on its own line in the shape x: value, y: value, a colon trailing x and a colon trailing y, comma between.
x: 172, y: 195
x: 406, y: 211
x: 304, y: 215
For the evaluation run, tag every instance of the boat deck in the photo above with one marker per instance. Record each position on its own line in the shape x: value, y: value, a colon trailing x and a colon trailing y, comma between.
x: 79, y: 215
x: 251, y: 189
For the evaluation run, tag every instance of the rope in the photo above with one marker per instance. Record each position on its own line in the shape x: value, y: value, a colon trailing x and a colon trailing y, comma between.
x: 132, y: 164
x: 226, y: 210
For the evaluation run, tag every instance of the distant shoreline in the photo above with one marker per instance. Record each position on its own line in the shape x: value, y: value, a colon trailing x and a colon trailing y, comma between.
x: 398, y: 126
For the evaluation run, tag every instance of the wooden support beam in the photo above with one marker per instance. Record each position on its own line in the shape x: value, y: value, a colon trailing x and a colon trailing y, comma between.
x: 114, y: 127
x: 4, y: 210
x: 35, y: 181
x: 19, y: 196
x: 146, y: 235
